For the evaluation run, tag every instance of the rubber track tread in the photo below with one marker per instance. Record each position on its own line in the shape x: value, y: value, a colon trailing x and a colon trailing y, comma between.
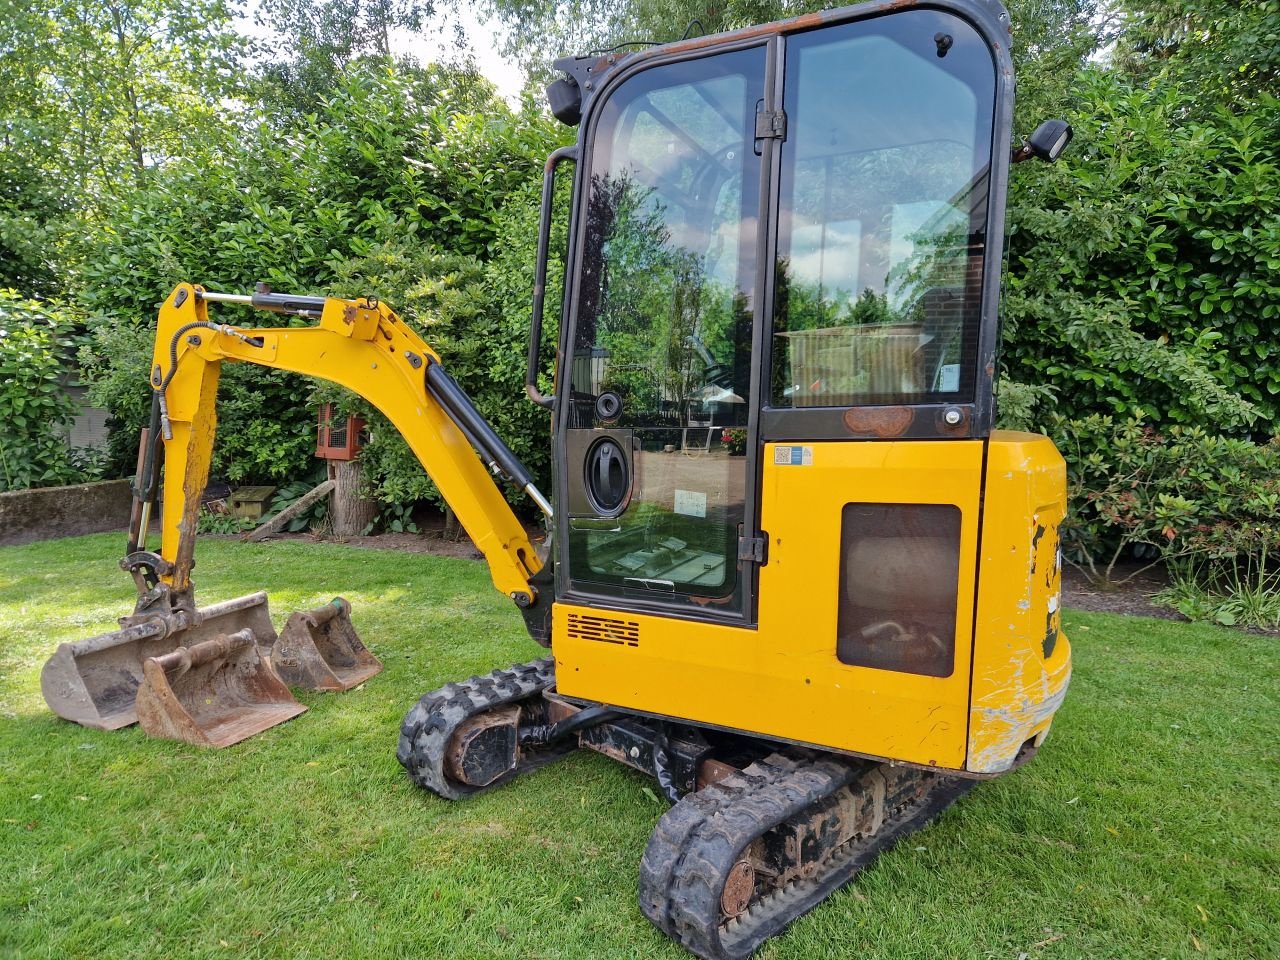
x: 429, y: 725
x: 694, y: 845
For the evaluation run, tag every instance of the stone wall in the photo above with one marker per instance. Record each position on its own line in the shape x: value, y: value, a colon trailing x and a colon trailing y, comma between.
x: 50, y: 512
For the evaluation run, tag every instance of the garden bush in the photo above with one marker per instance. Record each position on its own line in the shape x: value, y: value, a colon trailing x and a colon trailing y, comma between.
x: 1144, y: 276
x: 421, y: 161
x: 35, y: 409
x: 1210, y: 504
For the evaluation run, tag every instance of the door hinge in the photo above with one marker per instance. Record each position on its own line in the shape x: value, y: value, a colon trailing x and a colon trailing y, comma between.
x: 753, y: 549
x: 771, y: 125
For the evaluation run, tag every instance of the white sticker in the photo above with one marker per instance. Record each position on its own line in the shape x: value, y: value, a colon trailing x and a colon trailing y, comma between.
x: 793, y: 456
x: 691, y: 503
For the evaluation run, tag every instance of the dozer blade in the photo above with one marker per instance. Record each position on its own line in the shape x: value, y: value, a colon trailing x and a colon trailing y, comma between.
x: 319, y: 650
x: 94, y: 682
x: 214, y: 693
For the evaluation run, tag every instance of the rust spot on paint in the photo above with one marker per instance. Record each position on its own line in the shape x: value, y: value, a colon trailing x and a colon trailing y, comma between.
x: 710, y: 601
x: 878, y: 421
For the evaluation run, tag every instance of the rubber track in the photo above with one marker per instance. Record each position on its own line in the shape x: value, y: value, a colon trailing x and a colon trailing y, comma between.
x: 428, y: 726
x: 697, y: 841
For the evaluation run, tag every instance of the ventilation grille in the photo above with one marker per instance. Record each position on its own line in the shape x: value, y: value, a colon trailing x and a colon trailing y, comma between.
x: 625, y: 633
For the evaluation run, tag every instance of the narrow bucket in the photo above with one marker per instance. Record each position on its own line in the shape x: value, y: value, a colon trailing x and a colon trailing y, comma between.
x: 319, y: 650
x: 213, y: 693
x: 94, y: 682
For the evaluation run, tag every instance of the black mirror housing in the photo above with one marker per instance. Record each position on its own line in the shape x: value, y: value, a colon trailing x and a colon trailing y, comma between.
x: 564, y: 96
x: 1050, y: 139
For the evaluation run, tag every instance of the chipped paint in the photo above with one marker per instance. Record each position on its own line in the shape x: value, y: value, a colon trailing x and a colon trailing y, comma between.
x: 1019, y: 684
x: 1009, y: 727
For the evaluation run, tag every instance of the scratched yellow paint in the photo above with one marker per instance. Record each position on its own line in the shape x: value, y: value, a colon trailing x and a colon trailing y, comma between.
x: 1022, y: 661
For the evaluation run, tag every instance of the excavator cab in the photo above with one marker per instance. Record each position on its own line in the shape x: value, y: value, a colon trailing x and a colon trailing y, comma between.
x: 789, y: 239
x: 797, y: 575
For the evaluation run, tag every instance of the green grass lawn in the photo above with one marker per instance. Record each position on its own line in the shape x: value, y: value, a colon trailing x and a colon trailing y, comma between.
x: 1147, y: 827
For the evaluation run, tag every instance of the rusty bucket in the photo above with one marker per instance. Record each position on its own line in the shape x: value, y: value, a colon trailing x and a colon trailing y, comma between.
x: 94, y: 682
x: 319, y: 650
x: 213, y: 693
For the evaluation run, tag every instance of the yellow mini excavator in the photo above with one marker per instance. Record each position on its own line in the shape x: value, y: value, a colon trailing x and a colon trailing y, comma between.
x: 795, y: 574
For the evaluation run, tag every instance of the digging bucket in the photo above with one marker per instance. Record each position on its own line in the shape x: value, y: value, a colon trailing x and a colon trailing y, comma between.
x: 94, y: 682
x: 213, y: 693
x: 319, y: 650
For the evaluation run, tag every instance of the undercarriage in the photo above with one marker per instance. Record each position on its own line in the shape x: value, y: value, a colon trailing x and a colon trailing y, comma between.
x: 757, y: 835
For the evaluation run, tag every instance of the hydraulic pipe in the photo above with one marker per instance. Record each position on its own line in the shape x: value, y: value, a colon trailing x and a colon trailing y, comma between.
x: 454, y: 400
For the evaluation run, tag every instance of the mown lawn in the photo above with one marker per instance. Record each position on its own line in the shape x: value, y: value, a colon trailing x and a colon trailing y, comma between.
x: 1148, y: 826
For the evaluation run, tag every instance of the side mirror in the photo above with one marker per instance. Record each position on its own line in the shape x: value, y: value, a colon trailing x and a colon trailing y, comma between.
x: 565, y: 99
x: 1047, y: 143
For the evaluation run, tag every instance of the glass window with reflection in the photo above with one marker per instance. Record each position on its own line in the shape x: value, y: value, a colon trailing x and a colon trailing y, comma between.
x: 664, y: 323
x: 883, y: 208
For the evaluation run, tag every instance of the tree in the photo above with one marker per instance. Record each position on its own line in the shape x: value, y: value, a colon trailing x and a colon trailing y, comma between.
x: 316, y: 41
x: 93, y: 96
x: 123, y: 84
x: 540, y: 32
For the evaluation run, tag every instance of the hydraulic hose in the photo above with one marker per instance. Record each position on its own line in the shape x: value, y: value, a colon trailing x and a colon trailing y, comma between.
x: 662, y: 766
x: 545, y: 734
x: 230, y: 331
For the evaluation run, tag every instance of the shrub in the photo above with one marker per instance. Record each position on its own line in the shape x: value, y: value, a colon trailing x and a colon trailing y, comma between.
x: 412, y: 161
x: 1144, y: 276
x: 1185, y: 495
x: 35, y: 408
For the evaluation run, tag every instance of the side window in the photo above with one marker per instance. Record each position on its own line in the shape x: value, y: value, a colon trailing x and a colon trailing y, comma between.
x: 883, y: 205
x: 663, y: 324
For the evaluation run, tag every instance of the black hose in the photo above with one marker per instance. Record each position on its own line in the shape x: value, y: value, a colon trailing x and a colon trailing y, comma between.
x: 545, y: 734
x: 144, y: 486
x: 173, y: 348
x: 662, y: 766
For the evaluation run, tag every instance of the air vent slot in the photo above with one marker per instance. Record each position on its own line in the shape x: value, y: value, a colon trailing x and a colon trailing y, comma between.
x: 624, y: 633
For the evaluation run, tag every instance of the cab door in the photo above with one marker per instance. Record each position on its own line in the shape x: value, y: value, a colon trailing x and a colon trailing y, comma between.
x: 655, y: 479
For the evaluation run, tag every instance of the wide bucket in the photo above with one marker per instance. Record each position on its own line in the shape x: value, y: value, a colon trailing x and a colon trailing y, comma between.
x: 213, y: 693
x: 319, y: 650
x: 94, y: 682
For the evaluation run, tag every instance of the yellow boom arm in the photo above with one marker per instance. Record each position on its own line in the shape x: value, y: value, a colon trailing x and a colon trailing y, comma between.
x: 359, y: 344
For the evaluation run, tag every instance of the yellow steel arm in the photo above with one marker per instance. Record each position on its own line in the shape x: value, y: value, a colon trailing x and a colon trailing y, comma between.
x: 361, y: 345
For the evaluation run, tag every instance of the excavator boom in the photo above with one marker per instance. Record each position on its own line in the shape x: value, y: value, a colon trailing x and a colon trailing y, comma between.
x: 358, y: 344
x: 203, y: 656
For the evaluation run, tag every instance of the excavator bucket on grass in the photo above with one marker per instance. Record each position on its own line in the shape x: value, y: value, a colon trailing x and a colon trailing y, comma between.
x: 319, y: 650
x: 95, y: 682
x: 213, y: 693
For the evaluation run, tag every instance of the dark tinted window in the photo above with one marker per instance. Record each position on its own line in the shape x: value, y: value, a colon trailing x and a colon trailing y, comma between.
x: 899, y: 574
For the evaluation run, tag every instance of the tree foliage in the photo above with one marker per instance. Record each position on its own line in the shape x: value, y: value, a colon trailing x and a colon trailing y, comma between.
x: 314, y: 42
x: 396, y: 160
x: 1145, y: 267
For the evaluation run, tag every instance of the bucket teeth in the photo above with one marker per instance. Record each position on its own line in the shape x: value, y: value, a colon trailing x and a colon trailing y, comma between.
x: 213, y: 693
x: 320, y: 650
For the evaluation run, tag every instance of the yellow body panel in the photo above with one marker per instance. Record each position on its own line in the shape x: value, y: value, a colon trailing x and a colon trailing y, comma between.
x: 782, y: 679
x: 1022, y: 660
